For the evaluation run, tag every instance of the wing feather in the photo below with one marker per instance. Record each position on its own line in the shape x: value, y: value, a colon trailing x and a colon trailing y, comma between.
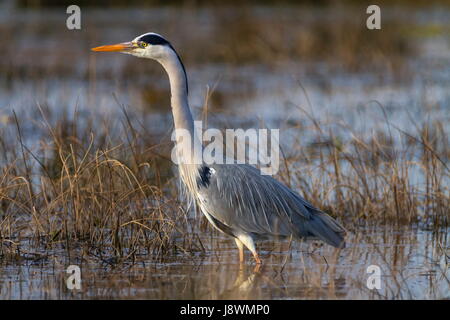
x: 245, y: 201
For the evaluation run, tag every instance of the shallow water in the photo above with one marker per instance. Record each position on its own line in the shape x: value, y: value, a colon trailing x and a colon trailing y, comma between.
x: 412, y: 264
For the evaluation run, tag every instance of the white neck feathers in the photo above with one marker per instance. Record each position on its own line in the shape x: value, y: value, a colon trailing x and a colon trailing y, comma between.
x: 188, y: 162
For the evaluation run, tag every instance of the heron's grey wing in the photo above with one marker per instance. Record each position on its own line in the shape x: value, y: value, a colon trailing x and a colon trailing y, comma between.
x: 240, y: 199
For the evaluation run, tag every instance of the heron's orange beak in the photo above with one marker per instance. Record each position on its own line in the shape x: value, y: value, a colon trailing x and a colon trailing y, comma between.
x: 120, y: 47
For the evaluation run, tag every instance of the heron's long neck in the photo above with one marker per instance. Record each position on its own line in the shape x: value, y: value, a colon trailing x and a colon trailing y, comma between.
x: 183, y: 120
x: 179, y: 97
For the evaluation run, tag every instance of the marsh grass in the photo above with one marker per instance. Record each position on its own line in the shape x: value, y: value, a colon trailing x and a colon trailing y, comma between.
x: 376, y: 178
x: 71, y: 181
x: 77, y: 187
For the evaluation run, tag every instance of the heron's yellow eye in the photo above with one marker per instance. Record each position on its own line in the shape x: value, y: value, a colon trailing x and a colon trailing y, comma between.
x: 144, y: 44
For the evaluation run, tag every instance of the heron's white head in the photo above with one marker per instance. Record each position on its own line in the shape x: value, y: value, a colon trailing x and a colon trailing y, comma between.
x: 151, y: 46
x: 148, y: 45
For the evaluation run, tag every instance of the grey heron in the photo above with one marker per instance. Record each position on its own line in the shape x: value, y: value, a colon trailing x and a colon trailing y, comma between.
x: 235, y: 198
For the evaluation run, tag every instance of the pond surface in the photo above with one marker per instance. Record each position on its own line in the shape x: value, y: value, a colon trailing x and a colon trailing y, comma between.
x: 413, y: 265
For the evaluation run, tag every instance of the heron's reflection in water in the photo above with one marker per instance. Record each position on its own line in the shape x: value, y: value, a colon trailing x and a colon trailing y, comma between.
x: 245, y: 283
x: 307, y: 274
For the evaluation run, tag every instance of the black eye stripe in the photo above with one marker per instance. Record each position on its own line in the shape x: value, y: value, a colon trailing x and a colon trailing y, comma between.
x: 154, y: 39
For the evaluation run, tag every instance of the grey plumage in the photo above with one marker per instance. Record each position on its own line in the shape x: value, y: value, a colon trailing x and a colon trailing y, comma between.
x: 239, y: 200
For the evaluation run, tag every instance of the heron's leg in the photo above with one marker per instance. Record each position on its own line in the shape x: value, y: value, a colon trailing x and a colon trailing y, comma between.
x: 250, y: 244
x: 241, y: 250
x: 240, y: 246
x: 257, y: 259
